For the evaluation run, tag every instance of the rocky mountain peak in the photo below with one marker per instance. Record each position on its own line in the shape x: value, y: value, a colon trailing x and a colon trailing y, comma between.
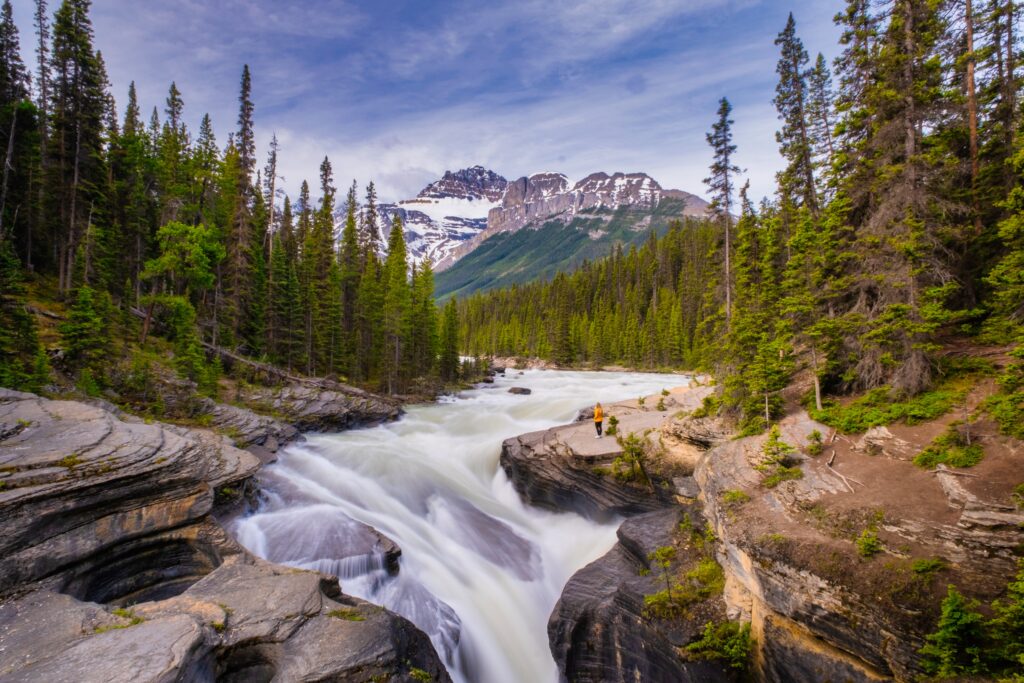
x: 476, y: 182
x: 536, y: 187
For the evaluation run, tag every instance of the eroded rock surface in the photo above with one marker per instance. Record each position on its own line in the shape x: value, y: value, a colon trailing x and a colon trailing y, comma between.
x: 320, y: 405
x: 115, y: 570
x: 599, y: 631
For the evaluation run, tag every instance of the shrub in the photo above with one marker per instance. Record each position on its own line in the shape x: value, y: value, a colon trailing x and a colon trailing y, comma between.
x: 727, y: 641
x: 613, y: 426
x: 661, y: 405
x: 950, y: 448
x: 708, y: 407
x: 868, y: 544
x: 877, y: 408
x: 632, y: 464
x: 955, y: 648
x: 775, y: 463
x: 815, y: 443
x: 1018, y: 495
x: 734, y: 498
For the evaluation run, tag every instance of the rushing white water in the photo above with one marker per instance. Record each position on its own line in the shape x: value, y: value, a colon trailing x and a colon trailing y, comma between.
x: 480, y: 571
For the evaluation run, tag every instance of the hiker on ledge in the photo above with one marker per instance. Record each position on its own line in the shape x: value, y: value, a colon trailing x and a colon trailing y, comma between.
x: 598, y: 419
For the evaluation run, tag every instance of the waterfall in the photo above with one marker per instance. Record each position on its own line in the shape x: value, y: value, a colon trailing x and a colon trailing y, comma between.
x: 479, y: 572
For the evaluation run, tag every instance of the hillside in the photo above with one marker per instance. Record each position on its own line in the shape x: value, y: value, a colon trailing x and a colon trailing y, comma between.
x: 509, y: 258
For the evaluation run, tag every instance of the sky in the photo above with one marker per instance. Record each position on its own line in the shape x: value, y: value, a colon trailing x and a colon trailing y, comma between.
x: 398, y: 91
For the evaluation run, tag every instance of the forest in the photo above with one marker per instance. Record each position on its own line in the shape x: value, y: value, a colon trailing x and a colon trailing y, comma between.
x: 150, y: 229
x: 896, y: 230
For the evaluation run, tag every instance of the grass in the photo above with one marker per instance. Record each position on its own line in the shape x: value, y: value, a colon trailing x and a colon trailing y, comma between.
x: 1018, y: 495
x: 133, y: 620
x: 950, y: 448
x: 878, y: 407
x: 735, y: 497
x: 347, y: 614
x: 928, y: 567
x: 781, y: 474
x: 69, y: 461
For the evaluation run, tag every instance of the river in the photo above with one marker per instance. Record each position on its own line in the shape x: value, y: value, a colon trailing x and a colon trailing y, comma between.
x: 480, y: 571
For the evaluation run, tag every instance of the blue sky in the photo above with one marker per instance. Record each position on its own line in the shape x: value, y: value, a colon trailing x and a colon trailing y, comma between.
x: 400, y: 90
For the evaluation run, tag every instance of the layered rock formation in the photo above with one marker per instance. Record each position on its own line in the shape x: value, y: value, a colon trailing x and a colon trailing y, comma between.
x: 599, y: 629
x: 819, y: 609
x: 115, y: 570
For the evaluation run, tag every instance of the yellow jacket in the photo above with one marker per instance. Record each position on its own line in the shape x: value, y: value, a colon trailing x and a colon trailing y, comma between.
x: 598, y: 414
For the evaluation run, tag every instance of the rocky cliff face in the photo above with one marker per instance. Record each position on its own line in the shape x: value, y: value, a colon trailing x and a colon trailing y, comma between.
x: 548, y: 197
x: 115, y: 570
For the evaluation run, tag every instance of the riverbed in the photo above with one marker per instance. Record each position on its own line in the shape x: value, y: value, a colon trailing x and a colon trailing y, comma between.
x: 480, y: 572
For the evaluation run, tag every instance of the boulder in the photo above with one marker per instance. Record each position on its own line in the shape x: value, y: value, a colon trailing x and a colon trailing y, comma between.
x: 521, y: 391
x: 599, y: 631
x: 881, y: 441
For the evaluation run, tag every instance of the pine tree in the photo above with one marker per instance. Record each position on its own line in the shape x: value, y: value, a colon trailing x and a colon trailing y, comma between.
x: 796, y: 181
x: 720, y: 183
x: 23, y: 364
x: 246, y: 137
x: 449, y: 360
x: 396, y: 298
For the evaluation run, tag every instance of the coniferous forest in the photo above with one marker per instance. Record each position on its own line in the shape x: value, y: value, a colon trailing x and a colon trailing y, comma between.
x: 145, y: 228
x: 897, y: 229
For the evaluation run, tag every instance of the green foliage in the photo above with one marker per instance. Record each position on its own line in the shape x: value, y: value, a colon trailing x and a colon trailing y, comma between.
x: 1007, y: 407
x: 613, y: 426
x: 661, y: 405
x: 420, y: 675
x: 727, y: 641
x: 631, y: 465
x: 734, y: 498
x: 346, y: 614
x: 878, y: 408
x: 868, y: 544
x: 86, y: 333
x: 815, y: 444
x: 928, y: 567
x: 950, y: 448
x: 708, y: 407
x: 1018, y: 495
x: 23, y: 363
x: 776, y: 462
x: 956, y: 647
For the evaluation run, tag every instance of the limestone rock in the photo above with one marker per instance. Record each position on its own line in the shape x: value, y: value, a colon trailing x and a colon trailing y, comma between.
x: 320, y: 405
x: 114, y: 569
x: 598, y: 630
x: 548, y: 474
x: 521, y: 391
x: 881, y: 441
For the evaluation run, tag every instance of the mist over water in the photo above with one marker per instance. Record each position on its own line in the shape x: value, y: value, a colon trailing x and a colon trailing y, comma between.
x: 480, y: 571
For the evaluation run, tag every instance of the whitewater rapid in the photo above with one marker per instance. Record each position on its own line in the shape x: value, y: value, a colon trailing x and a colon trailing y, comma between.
x: 480, y: 571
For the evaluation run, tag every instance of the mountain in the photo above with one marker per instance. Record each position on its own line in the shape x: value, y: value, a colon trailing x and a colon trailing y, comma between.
x: 535, y: 200
x: 446, y: 213
x: 518, y: 256
x: 566, y: 225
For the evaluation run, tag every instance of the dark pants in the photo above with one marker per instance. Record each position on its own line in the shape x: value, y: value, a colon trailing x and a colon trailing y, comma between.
x: 597, y: 426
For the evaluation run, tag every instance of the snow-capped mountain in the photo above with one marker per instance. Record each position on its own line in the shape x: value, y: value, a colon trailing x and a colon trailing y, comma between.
x: 450, y: 217
x: 446, y: 213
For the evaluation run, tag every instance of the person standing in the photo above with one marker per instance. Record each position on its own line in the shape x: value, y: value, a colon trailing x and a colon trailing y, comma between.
x: 598, y: 419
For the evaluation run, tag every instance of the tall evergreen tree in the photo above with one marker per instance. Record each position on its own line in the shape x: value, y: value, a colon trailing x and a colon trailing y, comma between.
x: 721, y: 183
x: 796, y: 181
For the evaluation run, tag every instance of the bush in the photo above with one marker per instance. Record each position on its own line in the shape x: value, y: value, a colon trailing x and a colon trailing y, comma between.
x: 775, y: 462
x: 613, y: 426
x: 632, y: 464
x: 708, y: 407
x: 868, y: 544
x: 955, y: 648
x: 727, y: 641
x: 877, y: 408
x: 815, y: 443
x: 950, y: 448
x: 734, y: 498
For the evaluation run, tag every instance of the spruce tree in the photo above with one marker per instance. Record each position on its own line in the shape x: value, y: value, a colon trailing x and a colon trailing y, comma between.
x: 720, y: 183
x: 448, y: 364
x: 396, y: 299
x: 796, y: 181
